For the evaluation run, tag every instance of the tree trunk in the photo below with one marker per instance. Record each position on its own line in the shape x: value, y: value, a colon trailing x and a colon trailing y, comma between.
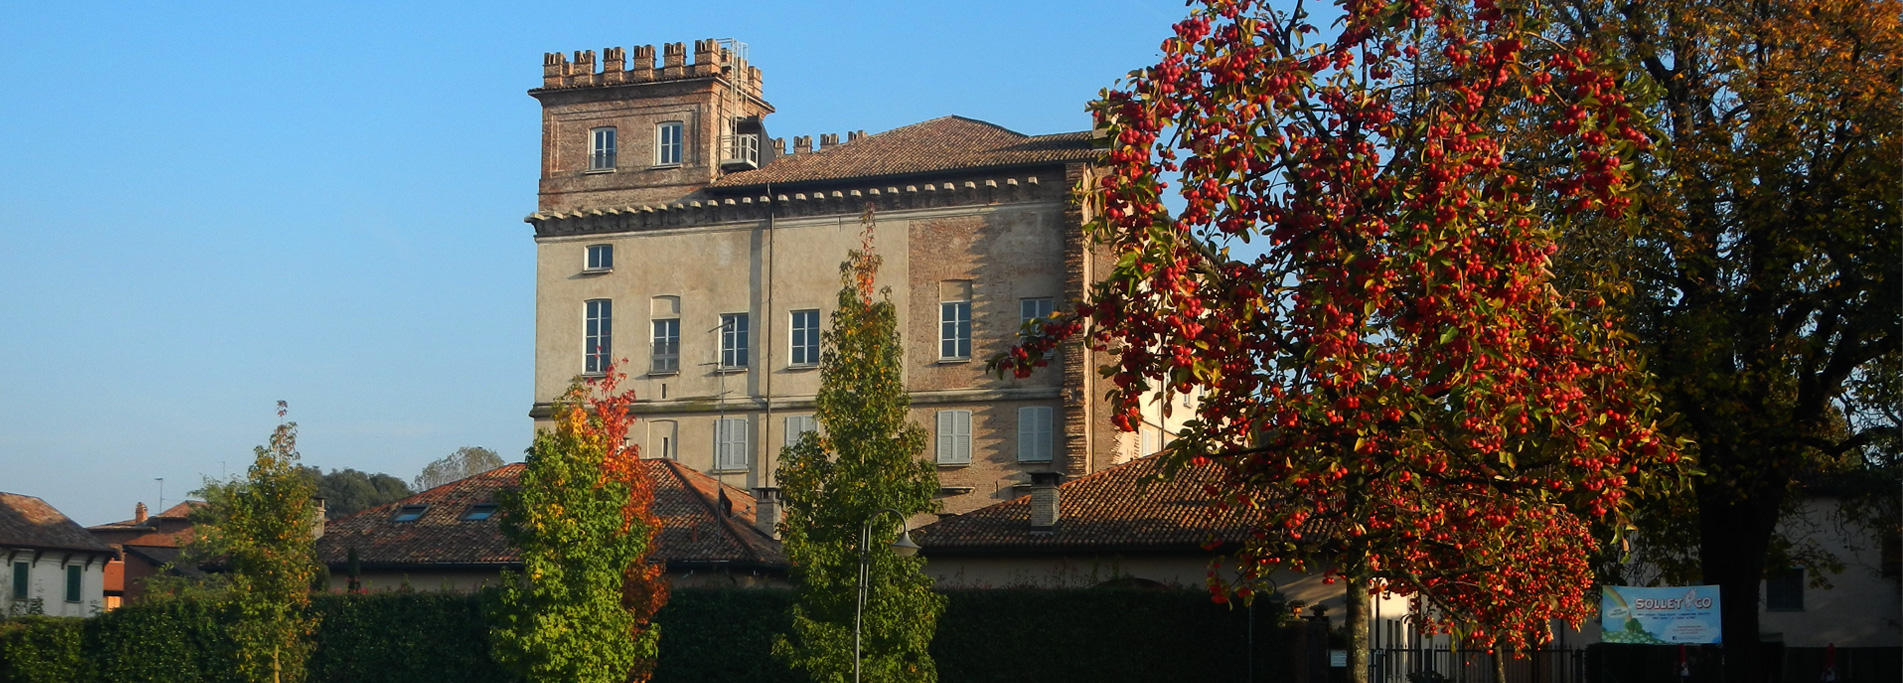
x: 1499, y: 661
x: 1356, y: 622
x: 1734, y: 538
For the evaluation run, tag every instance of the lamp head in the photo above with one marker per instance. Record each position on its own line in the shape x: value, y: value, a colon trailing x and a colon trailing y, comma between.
x: 904, y: 547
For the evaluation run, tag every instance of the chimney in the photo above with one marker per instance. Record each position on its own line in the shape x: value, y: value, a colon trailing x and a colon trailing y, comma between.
x: 802, y: 144
x: 321, y: 512
x: 1043, y: 501
x: 828, y: 140
x: 766, y: 511
x: 138, y: 514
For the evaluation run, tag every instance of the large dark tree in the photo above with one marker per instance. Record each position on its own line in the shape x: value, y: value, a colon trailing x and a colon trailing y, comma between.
x: 1762, y: 260
x: 347, y: 491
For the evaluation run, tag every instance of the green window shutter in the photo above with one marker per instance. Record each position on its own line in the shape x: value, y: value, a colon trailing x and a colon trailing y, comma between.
x: 72, y: 582
x: 20, y: 570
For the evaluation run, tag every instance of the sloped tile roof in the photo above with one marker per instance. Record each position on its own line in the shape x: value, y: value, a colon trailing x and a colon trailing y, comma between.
x: 688, y: 503
x: 1123, y: 508
x: 28, y: 522
x: 948, y: 143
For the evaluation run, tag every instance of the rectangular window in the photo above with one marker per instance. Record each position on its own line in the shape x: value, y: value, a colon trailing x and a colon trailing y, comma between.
x: 479, y: 512
x: 601, y: 258
x: 730, y: 443
x: 601, y: 149
x: 409, y: 513
x: 806, y: 337
x: 954, y: 437
x: 598, y: 341
x: 1034, y: 310
x: 21, y: 573
x: 666, y: 354
x: 1784, y: 590
x: 954, y: 336
x: 667, y: 144
x: 73, y: 575
x: 797, y: 425
x: 733, y: 340
x: 1034, y: 433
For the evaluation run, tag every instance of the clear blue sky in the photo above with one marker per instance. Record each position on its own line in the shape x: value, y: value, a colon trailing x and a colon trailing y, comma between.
x: 208, y: 207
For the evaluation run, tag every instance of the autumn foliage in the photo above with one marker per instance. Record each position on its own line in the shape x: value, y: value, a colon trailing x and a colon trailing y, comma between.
x: 582, y: 519
x: 1389, y: 374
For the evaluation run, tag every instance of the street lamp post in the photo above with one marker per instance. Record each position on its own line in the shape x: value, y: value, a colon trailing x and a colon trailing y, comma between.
x: 903, y: 547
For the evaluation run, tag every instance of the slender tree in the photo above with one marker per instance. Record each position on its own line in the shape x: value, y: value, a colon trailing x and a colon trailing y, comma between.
x: 260, y: 527
x: 864, y: 459
x: 1762, y: 261
x: 1396, y: 363
x: 582, y: 609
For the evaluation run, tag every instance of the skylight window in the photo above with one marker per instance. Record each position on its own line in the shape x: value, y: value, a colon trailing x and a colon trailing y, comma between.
x: 409, y: 513
x: 479, y: 512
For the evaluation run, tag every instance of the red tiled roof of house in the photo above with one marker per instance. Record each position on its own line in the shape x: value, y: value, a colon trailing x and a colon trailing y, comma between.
x: 1123, y: 508
x: 694, y: 529
x: 948, y: 143
x: 177, y: 514
x: 28, y: 522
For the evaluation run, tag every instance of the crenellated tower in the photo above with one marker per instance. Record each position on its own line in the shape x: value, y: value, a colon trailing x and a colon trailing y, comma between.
x: 629, y: 131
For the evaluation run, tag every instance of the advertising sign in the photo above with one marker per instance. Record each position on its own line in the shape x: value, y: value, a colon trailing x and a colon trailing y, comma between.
x: 1675, y: 614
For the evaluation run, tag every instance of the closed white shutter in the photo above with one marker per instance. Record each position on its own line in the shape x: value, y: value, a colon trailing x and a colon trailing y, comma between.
x: 797, y: 425
x: 730, y: 437
x: 954, y: 437
x: 1034, y: 433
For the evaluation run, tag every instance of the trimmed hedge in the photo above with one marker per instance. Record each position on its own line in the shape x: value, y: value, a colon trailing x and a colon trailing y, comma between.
x: 707, y: 636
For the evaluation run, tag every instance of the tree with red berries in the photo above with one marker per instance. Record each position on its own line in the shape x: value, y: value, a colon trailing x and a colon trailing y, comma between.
x: 1393, y: 357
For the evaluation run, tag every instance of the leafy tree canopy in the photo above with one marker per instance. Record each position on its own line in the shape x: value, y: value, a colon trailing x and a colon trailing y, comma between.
x: 581, y: 609
x: 348, y: 491
x: 466, y: 462
x: 864, y: 459
x: 1394, y: 381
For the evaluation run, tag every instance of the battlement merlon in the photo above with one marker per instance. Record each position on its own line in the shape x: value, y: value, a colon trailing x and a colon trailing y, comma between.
x: 561, y: 71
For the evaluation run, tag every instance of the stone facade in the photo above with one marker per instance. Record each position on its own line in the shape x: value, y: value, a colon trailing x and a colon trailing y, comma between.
x: 965, y: 212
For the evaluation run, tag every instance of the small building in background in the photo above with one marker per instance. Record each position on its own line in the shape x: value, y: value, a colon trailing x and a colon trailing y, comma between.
x: 450, y: 537
x: 54, y: 566
x: 146, y: 546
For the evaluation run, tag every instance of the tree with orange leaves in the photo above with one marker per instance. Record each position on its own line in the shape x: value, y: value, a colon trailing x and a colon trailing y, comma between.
x: 1760, y: 266
x: 583, y: 607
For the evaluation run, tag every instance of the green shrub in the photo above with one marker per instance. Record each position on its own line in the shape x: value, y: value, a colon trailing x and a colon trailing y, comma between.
x: 38, y: 649
x: 708, y: 636
x: 403, y: 637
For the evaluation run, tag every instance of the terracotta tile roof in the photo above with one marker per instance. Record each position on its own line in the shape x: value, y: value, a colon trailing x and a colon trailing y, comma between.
x: 28, y: 522
x: 685, y: 500
x: 1124, y: 508
x: 949, y: 143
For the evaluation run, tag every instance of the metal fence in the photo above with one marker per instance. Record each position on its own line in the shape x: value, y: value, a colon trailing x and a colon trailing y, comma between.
x: 1449, y: 665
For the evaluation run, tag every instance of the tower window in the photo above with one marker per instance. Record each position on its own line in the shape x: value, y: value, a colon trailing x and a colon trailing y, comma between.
x: 601, y: 258
x: 598, y: 342
x: 954, y: 320
x: 601, y: 149
x: 806, y: 337
x: 667, y: 144
x: 666, y: 353
x: 733, y: 340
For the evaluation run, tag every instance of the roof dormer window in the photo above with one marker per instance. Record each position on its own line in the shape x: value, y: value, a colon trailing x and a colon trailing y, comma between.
x: 409, y: 513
